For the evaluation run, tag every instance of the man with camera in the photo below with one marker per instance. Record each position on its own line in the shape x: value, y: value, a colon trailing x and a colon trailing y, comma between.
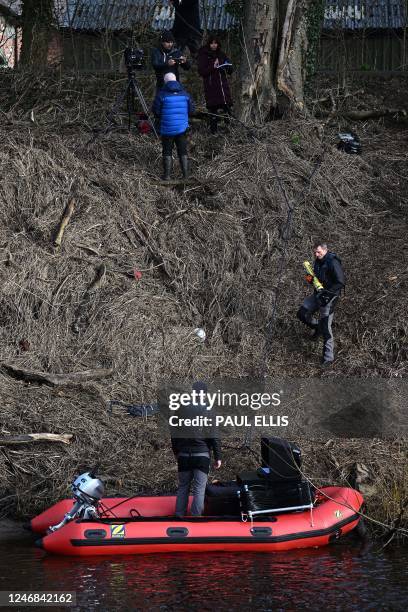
x: 167, y: 58
x: 328, y: 271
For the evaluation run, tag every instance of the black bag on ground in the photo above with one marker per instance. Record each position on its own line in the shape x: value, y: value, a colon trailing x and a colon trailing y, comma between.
x: 271, y: 496
x: 222, y: 500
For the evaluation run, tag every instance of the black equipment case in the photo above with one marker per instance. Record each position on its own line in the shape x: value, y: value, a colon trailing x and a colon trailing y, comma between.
x: 274, y: 496
x: 278, y: 483
x: 222, y: 500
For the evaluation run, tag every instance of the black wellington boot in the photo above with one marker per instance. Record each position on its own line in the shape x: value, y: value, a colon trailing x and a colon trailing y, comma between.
x: 316, y: 333
x: 167, y: 167
x: 184, y: 165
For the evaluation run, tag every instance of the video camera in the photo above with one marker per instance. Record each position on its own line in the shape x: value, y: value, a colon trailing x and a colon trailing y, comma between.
x: 134, y: 58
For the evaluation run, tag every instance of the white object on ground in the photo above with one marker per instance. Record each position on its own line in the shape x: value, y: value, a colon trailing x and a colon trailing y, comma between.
x: 200, y: 333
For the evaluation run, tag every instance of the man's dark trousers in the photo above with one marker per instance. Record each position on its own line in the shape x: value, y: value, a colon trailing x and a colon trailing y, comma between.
x: 193, y: 471
x: 324, y: 325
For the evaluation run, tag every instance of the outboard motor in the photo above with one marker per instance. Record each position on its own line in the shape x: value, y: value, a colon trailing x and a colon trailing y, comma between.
x: 88, y: 491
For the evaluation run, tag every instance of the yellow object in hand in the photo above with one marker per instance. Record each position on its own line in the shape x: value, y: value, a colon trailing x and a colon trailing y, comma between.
x: 316, y: 283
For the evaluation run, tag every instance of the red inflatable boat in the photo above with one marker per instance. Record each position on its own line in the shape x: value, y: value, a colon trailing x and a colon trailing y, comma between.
x: 144, y: 525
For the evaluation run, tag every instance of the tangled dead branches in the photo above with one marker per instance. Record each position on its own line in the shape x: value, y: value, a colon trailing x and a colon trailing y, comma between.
x: 175, y: 259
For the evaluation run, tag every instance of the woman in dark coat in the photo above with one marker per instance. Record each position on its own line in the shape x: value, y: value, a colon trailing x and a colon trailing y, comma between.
x: 213, y: 66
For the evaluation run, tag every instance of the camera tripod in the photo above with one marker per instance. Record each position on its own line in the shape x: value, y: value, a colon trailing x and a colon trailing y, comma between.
x: 130, y: 93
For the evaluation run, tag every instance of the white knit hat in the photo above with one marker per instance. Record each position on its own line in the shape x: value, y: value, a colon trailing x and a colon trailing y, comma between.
x: 169, y: 76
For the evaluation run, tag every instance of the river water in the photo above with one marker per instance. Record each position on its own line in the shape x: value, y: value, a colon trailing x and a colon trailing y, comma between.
x: 345, y: 576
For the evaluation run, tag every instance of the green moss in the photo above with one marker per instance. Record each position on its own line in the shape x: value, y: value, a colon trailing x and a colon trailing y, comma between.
x: 295, y: 138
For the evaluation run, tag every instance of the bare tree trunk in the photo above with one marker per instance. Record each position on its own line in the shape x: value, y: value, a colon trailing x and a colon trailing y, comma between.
x: 291, y: 70
x: 37, y: 22
x: 259, y: 33
x: 273, y: 58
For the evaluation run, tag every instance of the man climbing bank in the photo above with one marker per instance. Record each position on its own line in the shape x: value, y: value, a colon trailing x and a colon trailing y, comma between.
x: 327, y: 278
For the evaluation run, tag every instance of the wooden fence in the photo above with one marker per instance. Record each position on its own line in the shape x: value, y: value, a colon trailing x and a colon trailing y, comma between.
x: 383, y: 50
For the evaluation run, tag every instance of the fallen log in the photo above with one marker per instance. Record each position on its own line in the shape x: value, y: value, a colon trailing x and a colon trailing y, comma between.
x: 364, y: 114
x: 35, y: 437
x: 340, y: 98
x: 55, y: 380
x: 374, y: 114
x: 68, y: 212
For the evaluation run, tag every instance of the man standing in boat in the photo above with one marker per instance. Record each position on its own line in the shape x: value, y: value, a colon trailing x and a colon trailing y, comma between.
x: 193, y: 462
x: 328, y: 271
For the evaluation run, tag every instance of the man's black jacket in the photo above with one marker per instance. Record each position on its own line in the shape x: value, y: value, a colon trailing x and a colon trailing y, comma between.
x: 160, y: 57
x: 198, y: 442
x: 196, y: 445
x: 330, y: 273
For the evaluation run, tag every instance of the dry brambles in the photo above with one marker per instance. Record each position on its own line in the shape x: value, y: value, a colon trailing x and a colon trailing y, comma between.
x: 208, y: 254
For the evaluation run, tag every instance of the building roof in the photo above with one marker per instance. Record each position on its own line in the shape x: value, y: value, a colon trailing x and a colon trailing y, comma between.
x: 124, y: 14
x: 10, y: 8
x: 364, y: 14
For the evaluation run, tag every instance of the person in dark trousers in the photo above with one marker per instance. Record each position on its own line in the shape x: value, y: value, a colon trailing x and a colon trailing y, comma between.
x: 214, y: 66
x: 171, y: 108
x: 167, y: 58
x: 328, y: 270
x: 193, y: 463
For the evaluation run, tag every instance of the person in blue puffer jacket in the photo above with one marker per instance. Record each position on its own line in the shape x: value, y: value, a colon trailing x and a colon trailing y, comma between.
x: 172, y: 107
